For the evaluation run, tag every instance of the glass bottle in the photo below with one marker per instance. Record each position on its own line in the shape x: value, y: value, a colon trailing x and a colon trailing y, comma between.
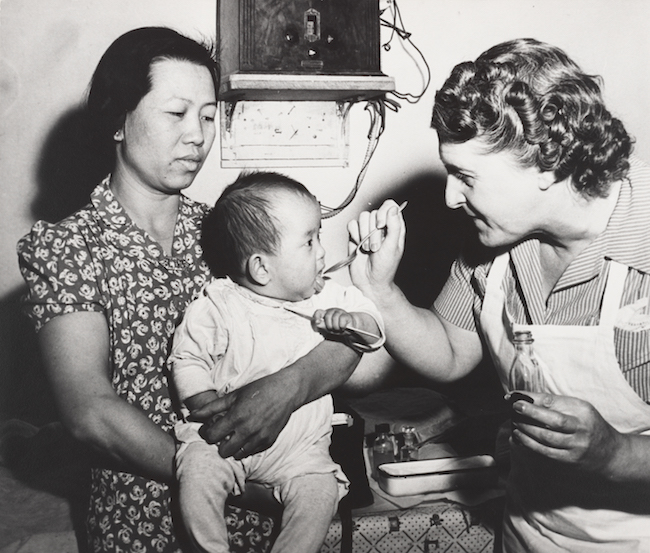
x: 525, y: 372
x: 408, y: 450
x: 383, y: 447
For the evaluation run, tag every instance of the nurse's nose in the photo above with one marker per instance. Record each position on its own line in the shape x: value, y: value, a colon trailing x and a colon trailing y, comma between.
x: 454, y: 197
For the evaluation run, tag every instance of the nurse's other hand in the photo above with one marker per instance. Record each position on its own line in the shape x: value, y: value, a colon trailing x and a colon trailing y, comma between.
x: 377, y: 262
x: 568, y: 430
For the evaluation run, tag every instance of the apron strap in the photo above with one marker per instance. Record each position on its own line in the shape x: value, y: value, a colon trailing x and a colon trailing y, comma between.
x: 497, y: 272
x: 616, y: 276
x: 493, y: 291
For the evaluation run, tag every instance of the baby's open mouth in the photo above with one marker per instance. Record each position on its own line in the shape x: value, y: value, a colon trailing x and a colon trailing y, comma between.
x: 319, y: 282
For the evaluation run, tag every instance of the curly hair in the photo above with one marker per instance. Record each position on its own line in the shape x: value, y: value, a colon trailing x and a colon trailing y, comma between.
x: 242, y: 221
x: 531, y: 99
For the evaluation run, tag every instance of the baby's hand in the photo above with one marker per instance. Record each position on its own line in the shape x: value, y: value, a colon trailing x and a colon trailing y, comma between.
x: 359, y: 330
x: 333, y: 320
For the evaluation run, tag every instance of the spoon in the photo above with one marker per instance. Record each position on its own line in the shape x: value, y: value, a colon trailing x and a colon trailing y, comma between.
x: 349, y: 327
x: 350, y: 258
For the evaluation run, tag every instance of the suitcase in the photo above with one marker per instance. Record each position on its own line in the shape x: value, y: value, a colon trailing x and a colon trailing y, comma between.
x: 443, y: 526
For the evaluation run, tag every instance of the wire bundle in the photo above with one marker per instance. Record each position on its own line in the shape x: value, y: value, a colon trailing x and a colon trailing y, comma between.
x: 377, y: 106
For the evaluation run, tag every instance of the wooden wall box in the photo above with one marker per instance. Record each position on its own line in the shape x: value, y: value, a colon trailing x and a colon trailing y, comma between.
x: 285, y: 49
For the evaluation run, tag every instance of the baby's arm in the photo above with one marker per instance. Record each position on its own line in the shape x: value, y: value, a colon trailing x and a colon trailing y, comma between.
x: 199, y: 341
x: 199, y: 400
x: 355, y: 327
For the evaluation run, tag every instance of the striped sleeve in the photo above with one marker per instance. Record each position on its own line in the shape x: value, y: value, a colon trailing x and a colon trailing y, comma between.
x: 456, y: 301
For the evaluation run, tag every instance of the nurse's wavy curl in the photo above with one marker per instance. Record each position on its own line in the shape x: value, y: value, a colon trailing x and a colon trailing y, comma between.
x: 531, y: 99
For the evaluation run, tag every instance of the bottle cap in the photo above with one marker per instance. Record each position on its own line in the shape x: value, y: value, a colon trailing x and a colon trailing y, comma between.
x: 523, y: 336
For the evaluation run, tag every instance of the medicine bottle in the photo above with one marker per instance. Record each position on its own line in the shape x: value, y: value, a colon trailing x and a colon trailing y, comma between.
x: 525, y: 372
x: 383, y: 447
x: 408, y: 449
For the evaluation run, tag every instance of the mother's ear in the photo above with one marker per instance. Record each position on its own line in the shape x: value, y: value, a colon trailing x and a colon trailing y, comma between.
x: 258, y: 269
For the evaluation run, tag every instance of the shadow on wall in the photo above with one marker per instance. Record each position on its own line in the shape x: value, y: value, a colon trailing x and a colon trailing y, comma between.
x: 69, y: 170
x: 435, y: 235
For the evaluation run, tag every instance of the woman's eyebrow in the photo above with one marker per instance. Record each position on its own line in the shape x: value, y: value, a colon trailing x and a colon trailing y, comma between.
x: 453, y: 169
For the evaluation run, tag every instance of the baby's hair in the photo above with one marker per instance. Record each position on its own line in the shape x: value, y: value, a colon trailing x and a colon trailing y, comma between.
x: 242, y: 221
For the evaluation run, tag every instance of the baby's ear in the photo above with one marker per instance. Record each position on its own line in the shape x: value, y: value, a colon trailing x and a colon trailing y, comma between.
x: 257, y: 269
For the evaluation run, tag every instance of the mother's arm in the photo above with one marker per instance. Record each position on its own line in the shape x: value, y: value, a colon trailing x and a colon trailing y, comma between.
x: 75, y: 351
x: 252, y: 416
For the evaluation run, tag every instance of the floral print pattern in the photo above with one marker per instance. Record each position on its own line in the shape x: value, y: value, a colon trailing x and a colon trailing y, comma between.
x: 99, y: 260
x: 248, y: 531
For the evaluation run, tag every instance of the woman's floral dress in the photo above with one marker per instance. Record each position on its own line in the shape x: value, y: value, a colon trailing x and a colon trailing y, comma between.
x: 99, y: 260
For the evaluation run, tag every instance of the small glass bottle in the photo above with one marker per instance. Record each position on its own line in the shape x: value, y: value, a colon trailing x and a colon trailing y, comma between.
x: 383, y: 447
x: 525, y: 372
x: 408, y: 450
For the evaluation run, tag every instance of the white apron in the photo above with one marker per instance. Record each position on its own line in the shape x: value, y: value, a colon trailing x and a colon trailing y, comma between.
x: 578, y: 361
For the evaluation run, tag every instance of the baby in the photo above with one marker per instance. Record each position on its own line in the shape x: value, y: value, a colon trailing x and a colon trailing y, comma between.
x: 269, y: 307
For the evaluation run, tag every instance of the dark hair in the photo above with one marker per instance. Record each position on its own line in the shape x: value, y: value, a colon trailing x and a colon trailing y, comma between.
x: 123, y: 76
x: 242, y: 221
x: 530, y: 98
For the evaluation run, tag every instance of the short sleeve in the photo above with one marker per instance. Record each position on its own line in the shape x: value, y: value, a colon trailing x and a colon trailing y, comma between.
x: 456, y: 301
x: 199, y: 344
x: 56, y: 262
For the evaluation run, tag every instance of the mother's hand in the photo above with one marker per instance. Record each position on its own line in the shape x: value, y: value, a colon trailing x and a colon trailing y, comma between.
x: 247, y: 420
x: 568, y: 430
x: 377, y: 262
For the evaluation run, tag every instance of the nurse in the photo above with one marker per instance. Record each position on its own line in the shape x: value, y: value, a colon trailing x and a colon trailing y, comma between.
x: 561, y: 211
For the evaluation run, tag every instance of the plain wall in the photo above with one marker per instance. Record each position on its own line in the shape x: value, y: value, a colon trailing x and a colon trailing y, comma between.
x: 49, y: 50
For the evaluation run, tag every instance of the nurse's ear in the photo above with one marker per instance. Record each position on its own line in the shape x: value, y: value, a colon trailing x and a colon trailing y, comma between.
x: 257, y: 269
x: 545, y: 179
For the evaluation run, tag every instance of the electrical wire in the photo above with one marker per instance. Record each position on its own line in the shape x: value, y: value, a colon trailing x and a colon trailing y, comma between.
x: 377, y: 110
x: 398, y: 28
x: 377, y: 106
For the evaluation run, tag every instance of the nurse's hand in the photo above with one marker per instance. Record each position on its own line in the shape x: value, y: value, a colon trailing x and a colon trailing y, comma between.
x: 375, y: 266
x: 567, y: 430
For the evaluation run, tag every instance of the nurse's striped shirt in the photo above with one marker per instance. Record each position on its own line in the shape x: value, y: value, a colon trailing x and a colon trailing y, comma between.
x: 576, y: 298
